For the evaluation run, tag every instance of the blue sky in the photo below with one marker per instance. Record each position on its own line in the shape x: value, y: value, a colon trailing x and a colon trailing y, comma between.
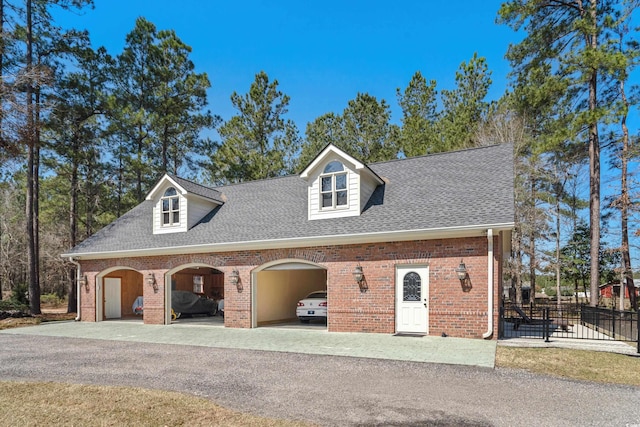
x: 321, y: 53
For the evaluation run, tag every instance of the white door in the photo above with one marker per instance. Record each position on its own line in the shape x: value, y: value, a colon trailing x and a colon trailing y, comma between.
x: 112, y: 298
x: 412, y: 297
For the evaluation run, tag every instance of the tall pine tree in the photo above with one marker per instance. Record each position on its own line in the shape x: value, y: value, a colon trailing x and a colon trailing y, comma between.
x: 258, y: 142
x: 564, y: 42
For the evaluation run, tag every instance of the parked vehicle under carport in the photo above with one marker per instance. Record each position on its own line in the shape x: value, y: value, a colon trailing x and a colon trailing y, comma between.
x: 313, y: 307
x: 185, y: 302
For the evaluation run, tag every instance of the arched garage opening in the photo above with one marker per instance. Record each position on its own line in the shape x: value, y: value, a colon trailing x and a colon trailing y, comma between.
x: 119, y: 292
x: 194, y: 294
x: 279, y: 285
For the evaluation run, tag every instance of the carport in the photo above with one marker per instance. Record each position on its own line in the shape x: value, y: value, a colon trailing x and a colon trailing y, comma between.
x: 117, y: 289
x: 202, y: 281
x: 279, y: 285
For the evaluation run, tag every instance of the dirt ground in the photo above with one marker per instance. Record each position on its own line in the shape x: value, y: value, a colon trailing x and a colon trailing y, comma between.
x: 49, y: 313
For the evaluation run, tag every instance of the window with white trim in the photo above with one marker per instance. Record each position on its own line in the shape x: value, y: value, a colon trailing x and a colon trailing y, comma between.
x: 170, y: 203
x: 333, y: 186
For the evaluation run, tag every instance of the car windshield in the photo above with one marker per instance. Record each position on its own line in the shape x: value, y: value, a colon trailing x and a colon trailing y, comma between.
x: 317, y: 295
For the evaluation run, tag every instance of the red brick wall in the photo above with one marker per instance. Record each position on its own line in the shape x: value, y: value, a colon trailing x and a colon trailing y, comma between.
x: 453, y: 310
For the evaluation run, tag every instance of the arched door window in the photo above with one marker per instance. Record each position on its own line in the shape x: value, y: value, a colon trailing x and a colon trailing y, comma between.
x: 411, y: 287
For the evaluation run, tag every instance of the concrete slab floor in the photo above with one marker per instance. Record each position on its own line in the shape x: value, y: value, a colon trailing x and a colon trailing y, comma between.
x: 427, y: 349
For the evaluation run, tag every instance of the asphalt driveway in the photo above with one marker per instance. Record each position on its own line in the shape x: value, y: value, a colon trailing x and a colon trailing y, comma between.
x: 325, y: 389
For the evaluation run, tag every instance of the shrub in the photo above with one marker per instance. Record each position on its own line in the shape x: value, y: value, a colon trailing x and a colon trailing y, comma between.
x: 11, y: 305
x: 566, y: 292
x: 550, y: 290
x: 51, y: 299
x: 20, y: 294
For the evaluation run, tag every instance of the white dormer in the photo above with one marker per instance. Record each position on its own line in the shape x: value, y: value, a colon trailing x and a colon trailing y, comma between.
x: 338, y: 184
x: 180, y: 204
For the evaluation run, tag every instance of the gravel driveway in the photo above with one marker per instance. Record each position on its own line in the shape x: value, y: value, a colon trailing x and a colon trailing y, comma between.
x: 328, y: 390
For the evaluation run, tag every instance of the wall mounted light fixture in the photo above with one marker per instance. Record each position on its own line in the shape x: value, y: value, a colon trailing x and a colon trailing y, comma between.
x: 84, y: 282
x: 234, y: 278
x: 462, y: 271
x: 151, y: 281
x: 463, y: 276
x: 358, y: 276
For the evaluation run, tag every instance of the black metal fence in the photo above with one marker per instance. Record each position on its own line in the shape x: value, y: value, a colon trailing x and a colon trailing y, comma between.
x: 577, y: 321
x: 621, y: 325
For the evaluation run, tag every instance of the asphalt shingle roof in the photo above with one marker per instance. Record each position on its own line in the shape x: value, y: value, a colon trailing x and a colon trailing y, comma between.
x: 458, y: 189
x: 198, y: 189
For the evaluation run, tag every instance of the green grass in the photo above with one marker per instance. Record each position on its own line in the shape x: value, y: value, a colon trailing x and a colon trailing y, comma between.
x: 584, y: 365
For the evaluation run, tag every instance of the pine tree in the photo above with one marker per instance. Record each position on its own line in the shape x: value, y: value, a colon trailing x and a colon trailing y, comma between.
x: 258, y: 142
x: 464, y: 108
x: 363, y: 130
x: 418, y: 134
x: 155, y: 110
x: 563, y: 46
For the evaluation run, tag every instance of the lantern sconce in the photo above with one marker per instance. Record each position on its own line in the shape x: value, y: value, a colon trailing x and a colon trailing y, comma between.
x: 463, y: 276
x: 358, y: 276
x: 151, y: 281
x: 234, y: 278
x: 84, y: 282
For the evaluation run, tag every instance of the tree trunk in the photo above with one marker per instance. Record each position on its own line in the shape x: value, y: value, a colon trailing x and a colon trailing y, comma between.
x: 29, y: 134
x: 73, y: 227
x: 558, y: 290
x: 119, y: 208
x: 90, y: 193
x: 532, y: 245
x: 3, y: 143
x: 594, y: 165
x: 625, y: 202
x: 36, y: 193
x: 516, y: 274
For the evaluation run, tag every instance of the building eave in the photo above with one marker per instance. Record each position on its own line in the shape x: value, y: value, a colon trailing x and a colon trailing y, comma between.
x: 330, y: 148
x: 161, y: 182
x: 298, y: 242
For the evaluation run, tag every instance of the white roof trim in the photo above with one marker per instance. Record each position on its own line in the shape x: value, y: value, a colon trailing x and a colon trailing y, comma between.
x: 332, y: 149
x: 327, y: 150
x: 161, y: 183
x: 300, y: 242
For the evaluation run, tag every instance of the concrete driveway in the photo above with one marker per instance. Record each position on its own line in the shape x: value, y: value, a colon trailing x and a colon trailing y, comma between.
x: 310, y: 340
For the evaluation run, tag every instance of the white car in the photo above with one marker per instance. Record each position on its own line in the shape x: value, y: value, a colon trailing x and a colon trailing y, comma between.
x: 313, y: 306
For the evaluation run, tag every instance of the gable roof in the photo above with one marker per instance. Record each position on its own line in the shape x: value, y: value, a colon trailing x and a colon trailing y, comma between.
x: 332, y: 149
x: 453, y: 194
x: 187, y: 187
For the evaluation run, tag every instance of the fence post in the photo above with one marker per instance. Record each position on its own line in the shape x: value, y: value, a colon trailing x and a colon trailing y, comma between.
x: 546, y: 324
x: 638, y: 330
x: 613, y: 321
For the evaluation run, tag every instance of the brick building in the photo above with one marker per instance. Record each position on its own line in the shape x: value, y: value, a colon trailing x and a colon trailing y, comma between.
x: 429, y: 236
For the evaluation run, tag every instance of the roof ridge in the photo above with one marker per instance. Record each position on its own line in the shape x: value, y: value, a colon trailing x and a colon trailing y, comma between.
x: 462, y: 150
x: 273, y: 178
x: 193, y: 182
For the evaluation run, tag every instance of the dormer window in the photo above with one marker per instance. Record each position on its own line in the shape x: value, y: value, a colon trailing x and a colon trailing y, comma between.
x: 334, y: 191
x: 338, y: 185
x: 170, y: 208
x: 178, y: 204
